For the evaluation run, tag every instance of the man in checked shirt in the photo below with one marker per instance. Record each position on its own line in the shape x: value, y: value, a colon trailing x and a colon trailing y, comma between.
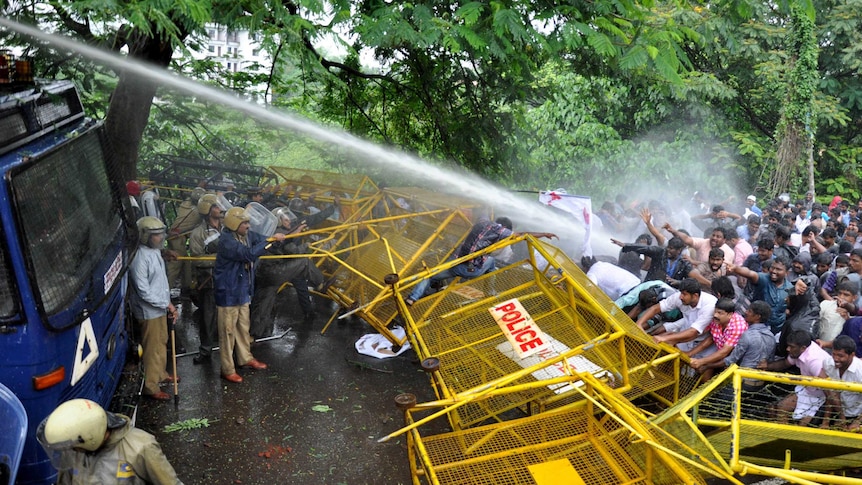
x: 726, y: 328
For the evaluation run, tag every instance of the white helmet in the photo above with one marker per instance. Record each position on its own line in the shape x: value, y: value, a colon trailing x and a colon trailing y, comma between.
x: 79, y: 423
x: 149, y: 225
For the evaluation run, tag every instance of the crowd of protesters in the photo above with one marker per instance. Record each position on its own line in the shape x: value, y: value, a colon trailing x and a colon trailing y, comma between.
x: 771, y: 287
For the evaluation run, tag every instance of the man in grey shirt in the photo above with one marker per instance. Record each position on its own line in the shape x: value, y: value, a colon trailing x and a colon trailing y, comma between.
x: 150, y: 301
x: 757, y: 344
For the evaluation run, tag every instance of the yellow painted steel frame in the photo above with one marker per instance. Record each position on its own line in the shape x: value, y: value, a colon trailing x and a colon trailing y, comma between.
x: 394, y: 245
x: 600, y: 439
x: 477, y: 379
x: 713, y: 422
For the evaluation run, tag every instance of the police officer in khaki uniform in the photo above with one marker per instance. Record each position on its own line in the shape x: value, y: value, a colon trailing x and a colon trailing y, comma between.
x: 90, y: 446
x: 178, y: 235
x: 204, y: 242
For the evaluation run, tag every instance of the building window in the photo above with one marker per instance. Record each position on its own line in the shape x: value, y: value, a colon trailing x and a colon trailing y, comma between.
x: 228, y: 66
x: 255, y: 52
x: 211, y: 33
x: 211, y: 48
x: 219, y: 51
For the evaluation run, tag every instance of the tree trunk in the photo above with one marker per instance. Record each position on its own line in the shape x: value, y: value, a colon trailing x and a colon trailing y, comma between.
x: 129, y: 109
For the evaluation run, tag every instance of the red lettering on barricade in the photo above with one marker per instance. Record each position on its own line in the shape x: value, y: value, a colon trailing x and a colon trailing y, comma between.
x: 505, y: 308
x: 519, y: 328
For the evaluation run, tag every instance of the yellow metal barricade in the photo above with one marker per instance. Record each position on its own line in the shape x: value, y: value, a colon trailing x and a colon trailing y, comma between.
x: 599, y: 439
x: 744, y: 432
x: 585, y: 332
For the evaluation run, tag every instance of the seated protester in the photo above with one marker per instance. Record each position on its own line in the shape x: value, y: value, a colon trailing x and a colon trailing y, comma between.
x: 834, y: 312
x: 724, y: 332
x: 697, y: 310
x: 723, y: 287
x: 843, y: 408
x: 810, y: 359
x: 678, y: 267
x: 610, y: 278
x: 706, y: 273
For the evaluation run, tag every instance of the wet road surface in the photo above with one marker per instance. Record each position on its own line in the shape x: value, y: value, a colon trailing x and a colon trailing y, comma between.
x: 313, y: 417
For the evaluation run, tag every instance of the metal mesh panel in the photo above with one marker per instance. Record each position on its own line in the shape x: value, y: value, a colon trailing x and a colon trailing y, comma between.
x: 407, y: 243
x: 766, y: 437
x: 455, y: 326
x: 320, y: 183
x: 596, y: 448
x: 51, y: 112
x: 12, y: 126
x: 8, y: 298
x: 65, y: 205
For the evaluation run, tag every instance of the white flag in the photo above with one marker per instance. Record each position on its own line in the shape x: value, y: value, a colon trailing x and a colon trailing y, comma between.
x: 578, y: 206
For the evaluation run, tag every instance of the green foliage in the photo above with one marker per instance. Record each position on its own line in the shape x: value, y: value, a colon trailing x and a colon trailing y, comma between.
x: 188, y: 424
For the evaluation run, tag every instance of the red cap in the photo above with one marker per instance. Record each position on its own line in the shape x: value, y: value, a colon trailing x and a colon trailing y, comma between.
x: 133, y: 188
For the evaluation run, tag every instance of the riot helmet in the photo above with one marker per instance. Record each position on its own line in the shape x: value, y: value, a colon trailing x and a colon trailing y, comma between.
x: 205, y: 204
x: 282, y: 213
x: 234, y: 217
x: 196, y: 194
x: 147, y: 226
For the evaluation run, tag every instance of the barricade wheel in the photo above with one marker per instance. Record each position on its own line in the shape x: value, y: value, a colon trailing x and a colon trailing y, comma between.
x: 405, y: 401
x: 391, y: 278
x: 431, y: 364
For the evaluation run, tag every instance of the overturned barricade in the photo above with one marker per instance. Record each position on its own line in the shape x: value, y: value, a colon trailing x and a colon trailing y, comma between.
x: 601, y: 438
x: 406, y: 238
x: 471, y: 338
x: 744, y: 431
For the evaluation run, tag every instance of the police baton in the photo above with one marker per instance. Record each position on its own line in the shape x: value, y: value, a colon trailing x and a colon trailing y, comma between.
x: 172, y: 328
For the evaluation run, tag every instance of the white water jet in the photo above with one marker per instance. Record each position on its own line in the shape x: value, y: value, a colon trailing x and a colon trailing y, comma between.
x: 470, y: 185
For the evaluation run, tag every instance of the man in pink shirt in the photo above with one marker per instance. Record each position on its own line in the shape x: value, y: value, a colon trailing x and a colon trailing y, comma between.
x: 724, y: 332
x: 717, y: 239
x: 810, y: 358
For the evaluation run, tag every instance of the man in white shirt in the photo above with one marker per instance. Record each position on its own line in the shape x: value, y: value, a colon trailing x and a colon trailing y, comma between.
x: 845, y: 406
x: 612, y: 279
x: 697, y: 310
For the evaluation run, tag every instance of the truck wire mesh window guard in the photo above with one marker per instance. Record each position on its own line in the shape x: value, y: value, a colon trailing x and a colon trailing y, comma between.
x: 68, y: 217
